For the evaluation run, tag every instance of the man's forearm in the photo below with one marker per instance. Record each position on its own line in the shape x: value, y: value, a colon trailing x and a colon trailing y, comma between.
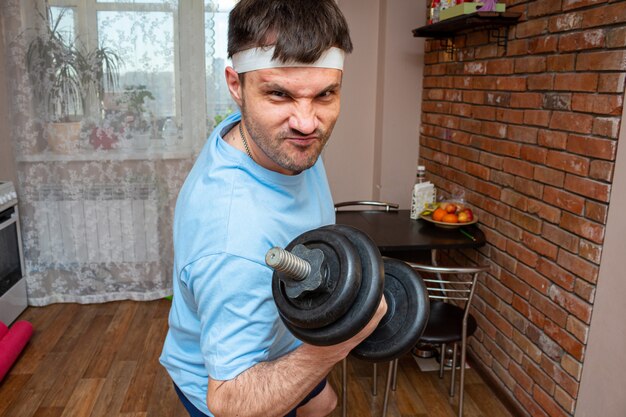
x: 271, y: 388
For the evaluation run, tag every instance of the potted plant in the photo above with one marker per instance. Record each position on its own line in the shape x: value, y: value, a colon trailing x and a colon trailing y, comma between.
x: 65, y: 76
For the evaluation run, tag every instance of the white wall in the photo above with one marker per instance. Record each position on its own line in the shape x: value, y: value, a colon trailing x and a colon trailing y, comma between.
x: 374, y: 148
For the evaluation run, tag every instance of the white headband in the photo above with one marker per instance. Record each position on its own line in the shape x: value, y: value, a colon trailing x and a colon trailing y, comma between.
x: 261, y: 58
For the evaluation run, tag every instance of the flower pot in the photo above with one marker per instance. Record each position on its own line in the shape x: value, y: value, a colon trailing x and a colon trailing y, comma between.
x: 104, y: 139
x: 63, y: 137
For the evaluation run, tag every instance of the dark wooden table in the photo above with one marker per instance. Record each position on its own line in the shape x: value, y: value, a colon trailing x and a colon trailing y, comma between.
x: 395, y: 232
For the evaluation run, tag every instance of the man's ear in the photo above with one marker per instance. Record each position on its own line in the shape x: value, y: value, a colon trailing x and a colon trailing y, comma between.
x: 234, y: 85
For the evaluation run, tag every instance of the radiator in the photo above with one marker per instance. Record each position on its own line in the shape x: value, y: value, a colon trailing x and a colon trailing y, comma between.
x: 103, y: 223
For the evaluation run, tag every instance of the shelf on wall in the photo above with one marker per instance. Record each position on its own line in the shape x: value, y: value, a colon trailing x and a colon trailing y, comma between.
x: 496, y: 22
x: 477, y: 20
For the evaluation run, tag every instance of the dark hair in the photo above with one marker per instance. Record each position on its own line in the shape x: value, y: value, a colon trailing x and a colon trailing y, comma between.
x: 300, y: 30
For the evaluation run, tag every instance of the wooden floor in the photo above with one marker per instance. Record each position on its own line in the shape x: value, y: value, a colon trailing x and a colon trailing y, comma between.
x: 102, y: 360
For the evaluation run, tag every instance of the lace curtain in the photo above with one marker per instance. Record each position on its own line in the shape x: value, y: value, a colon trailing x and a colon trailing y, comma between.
x: 110, y: 102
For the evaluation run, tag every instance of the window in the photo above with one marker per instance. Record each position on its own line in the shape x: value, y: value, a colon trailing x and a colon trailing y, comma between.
x: 165, y: 79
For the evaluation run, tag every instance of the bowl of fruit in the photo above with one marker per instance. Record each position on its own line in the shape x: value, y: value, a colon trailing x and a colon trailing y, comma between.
x: 449, y: 215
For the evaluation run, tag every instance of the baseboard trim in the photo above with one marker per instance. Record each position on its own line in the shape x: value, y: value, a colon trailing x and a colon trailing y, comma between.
x: 503, y: 395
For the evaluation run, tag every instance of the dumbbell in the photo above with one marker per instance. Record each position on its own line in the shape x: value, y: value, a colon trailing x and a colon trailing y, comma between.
x: 327, y: 285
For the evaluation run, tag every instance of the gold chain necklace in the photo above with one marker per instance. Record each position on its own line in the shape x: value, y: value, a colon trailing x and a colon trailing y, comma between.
x: 245, y: 142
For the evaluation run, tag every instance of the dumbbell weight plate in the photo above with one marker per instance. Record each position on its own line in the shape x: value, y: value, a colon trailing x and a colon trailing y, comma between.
x: 406, y: 317
x: 342, y: 269
x: 366, y: 301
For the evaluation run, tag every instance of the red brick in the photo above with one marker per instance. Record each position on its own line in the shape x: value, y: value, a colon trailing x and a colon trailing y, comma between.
x: 561, y: 63
x: 612, y: 82
x: 517, y: 47
x: 585, y: 290
x: 560, y: 237
x: 474, y: 97
x: 564, y: 200
x: 571, y: 122
x: 600, y: 16
x: 537, y: 118
x: 500, y: 66
x: 543, y: 44
x: 606, y: 126
x: 601, y: 170
x: 602, y: 61
x: 520, y: 168
x: 530, y: 275
x: 510, y: 84
x: 541, y: 82
x: 542, y: 8
x: 587, y: 187
x: 590, y: 251
x: 578, y: 41
x: 531, y: 313
x: 547, y: 403
x: 584, y: 269
x: 460, y: 109
x: 560, y: 376
x: 549, y: 176
x: 496, y: 319
x: 574, y: 4
x: 497, y: 130
x: 598, y: 103
x: 530, y: 64
x: 550, y: 310
x: 571, y: 303
x: 552, y: 139
x: 538, y: 375
x: 557, y: 101
x: 498, y: 99
x: 484, y: 112
x: 489, y: 50
x: 564, y: 400
x: 528, y: 403
x: 616, y: 37
x: 522, y: 134
x: 565, y: 22
x: 564, y: 339
x: 579, y: 81
x: 534, y: 154
x: 526, y: 100
x: 510, y: 116
x: 513, y: 283
x: 592, y: 147
x: 544, y: 211
x: 520, y: 252
x: 521, y: 377
x: 572, y: 367
x: 484, y: 83
x: 582, y: 227
x: 568, y: 162
x: 556, y: 274
x: 596, y: 211
x: 530, y: 28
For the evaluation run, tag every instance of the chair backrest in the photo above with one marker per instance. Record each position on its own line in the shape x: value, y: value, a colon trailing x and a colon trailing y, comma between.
x: 365, y: 205
x: 446, y: 288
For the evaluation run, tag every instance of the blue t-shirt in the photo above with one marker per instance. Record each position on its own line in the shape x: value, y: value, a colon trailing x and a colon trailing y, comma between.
x: 229, y: 213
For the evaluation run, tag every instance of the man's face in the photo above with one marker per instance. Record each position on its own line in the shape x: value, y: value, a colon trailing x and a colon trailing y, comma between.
x: 289, y: 113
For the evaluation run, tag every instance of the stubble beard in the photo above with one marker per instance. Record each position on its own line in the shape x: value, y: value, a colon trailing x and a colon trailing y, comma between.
x: 274, y: 148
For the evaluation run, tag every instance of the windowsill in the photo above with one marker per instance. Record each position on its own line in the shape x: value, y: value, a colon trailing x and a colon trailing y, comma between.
x: 109, y: 155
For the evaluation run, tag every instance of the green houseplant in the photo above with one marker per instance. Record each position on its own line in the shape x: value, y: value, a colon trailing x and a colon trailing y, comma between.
x: 65, y: 78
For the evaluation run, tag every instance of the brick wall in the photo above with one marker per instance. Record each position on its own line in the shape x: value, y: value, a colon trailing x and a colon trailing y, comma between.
x: 530, y: 135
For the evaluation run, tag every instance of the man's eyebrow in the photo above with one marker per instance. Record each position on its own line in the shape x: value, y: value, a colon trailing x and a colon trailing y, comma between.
x: 271, y: 86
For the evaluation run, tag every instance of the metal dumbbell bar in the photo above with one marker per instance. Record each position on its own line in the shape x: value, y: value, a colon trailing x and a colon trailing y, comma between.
x: 328, y: 282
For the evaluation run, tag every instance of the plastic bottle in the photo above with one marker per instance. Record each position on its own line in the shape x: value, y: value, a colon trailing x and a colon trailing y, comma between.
x: 423, y: 193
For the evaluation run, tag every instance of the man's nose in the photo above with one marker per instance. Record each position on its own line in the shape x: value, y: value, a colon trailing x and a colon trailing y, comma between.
x: 304, y: 118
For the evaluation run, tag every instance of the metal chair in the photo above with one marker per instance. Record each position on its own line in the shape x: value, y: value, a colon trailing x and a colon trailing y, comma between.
x: 449, y: 320
x: 361, y: 205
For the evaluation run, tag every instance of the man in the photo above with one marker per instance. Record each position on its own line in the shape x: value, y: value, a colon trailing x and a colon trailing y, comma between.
x: 258, y: 183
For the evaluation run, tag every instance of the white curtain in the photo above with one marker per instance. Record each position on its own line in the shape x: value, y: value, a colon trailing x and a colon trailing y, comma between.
x: 110, y: 102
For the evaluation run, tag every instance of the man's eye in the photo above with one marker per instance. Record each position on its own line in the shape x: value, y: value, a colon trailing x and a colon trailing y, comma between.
x: 326, y: 94
x: 278, y: 94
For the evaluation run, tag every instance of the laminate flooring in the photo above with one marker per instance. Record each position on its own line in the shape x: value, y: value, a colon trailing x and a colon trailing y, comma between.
x: 101, y: 360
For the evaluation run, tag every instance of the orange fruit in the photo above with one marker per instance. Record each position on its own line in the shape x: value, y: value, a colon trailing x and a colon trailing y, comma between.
x: 438, y: 214
x: 450, y: 218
